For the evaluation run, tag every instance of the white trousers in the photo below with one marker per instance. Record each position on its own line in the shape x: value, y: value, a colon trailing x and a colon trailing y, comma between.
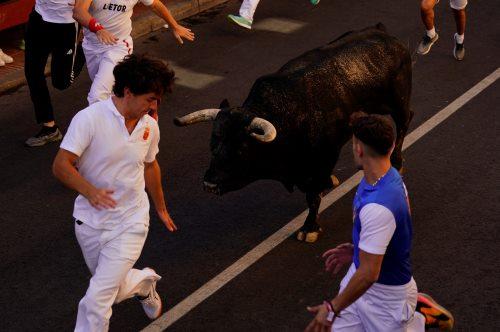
x: 100, y: 64
x: 381, y: 309
x: 110, y: 256
x: 247, y: 9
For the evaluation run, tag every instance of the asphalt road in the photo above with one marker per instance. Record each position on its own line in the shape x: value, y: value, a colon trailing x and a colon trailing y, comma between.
x: 451, y: 173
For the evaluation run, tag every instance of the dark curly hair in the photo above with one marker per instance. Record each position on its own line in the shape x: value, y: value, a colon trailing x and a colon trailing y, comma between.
x: 142, y: 74
x: 374, y: 130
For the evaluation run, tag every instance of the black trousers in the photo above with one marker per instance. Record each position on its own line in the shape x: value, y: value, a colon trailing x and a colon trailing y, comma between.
x: 61, y: 40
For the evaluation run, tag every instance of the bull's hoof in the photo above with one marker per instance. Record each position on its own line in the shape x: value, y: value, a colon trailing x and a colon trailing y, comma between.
x: 309, y: 237
x: 312, y: 237
x: 335, y: 181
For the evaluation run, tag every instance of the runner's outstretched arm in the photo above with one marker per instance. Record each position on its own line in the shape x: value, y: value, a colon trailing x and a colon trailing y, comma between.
x: 178, y: 30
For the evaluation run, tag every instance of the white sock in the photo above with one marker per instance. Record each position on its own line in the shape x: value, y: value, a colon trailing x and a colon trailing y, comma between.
x: 459, y: 38
x: 431, y: 33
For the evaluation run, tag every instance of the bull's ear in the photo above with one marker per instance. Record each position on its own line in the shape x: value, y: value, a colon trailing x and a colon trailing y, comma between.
x: 224, y: 104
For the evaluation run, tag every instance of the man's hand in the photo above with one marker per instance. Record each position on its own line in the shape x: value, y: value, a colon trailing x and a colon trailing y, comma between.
x: 106, y: 37
x: 336, y: 258
x: 181, y: 32
x: 167, y: 220
x: 319, y: 323
x: 101, y: 198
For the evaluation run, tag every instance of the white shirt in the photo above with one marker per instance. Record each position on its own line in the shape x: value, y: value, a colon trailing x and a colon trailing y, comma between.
x: 114, y: 16
x: 56, y: 11
x: 111, y: 158
x: 377, y: 227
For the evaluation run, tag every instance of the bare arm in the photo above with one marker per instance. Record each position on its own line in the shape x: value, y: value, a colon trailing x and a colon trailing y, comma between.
x: 65, y: 171
x: 178, y: 30
x: 365, y: 276
x: 81, y: 12
x: 152, y: 177
x: 81, y: 15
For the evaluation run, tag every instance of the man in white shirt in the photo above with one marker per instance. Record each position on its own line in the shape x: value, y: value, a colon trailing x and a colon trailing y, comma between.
x: 378, y: 292
x: 108, y: 156
x: 107, y: 38
x: 51, y: 29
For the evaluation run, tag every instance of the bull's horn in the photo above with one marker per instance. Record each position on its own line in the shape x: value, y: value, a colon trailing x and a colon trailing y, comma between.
x: 208, y: 114
x: 266, y: 126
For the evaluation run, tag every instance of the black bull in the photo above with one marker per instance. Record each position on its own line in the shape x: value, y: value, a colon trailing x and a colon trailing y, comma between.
x: 294, y: 122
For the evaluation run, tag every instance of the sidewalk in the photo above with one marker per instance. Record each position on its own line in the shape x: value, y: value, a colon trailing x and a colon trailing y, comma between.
x: 144, y: 21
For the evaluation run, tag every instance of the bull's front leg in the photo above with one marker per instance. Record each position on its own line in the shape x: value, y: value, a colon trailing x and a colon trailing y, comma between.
x: 309, y: 232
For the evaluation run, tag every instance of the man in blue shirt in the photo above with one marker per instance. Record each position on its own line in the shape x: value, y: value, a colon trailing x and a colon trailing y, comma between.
x: 378, y: 292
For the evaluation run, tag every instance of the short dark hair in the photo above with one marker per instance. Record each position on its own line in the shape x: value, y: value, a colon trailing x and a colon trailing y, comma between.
x: 374, y: 130
x: 142, y: 74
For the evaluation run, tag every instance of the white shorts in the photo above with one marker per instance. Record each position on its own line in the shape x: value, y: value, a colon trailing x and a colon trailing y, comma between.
x: 458, y: 4
x: 381, y: 308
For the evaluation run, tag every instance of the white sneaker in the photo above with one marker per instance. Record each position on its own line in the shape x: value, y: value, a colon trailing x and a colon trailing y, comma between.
x: 5, y: 57
x: 2, y: 63
x: 152, y: 304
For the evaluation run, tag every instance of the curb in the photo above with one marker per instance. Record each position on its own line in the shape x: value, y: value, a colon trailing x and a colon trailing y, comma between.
x: 142, y: 25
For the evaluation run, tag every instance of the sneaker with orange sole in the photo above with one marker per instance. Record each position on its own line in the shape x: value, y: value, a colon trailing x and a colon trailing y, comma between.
x: 435, y: 315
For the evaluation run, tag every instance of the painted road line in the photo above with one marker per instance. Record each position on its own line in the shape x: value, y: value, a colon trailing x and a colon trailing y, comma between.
x: 281, y: 235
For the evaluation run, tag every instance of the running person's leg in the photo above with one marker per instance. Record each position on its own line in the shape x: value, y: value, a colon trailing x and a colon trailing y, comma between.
x: 247, y: 11
x: 458, y: 8
x: 114, y: 279
x: 348, y: 321
x: 64, y: 55
x: 430, y: 37
x: 102, y: 70
x: 35, y: 57
x: 38, y: 48
x: 388, y: 308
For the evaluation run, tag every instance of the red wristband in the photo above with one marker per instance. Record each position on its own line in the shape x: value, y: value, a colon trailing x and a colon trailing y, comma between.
x: 95, y: 26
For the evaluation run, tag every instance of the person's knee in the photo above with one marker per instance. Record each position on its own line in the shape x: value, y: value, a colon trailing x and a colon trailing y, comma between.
x: 427, y: 5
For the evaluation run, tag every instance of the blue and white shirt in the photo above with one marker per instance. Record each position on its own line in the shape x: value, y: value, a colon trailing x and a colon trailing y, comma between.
x: 383, y: 226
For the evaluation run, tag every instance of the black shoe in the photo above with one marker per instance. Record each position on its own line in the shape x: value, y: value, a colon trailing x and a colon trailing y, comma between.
x: 425, y: 45
x: 44, y: 136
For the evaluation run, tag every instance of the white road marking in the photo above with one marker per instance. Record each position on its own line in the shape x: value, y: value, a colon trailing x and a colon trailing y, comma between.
x: 281, y: 235
x: 281, y: 25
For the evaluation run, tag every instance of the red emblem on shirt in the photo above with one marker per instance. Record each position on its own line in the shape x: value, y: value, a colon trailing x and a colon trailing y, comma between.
x: 146, y: 134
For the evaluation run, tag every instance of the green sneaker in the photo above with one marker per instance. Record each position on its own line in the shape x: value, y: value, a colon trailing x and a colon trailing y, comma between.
x: 241, y: 21
x: 314, y: 2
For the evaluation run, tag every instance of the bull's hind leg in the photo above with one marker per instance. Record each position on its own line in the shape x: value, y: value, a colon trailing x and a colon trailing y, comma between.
x: 309, y: 232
